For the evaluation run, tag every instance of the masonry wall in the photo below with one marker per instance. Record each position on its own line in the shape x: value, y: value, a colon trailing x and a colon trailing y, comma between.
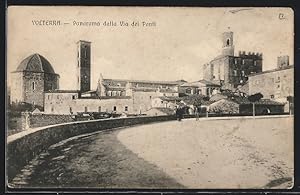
x: 33, y: 95
x: 261, y: 109
x: 70, y: 103
x: 41, y: 120
x: 274, y: 84
x: 21, y: 148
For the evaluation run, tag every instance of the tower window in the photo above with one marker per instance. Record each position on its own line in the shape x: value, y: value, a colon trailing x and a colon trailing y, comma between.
x: 71, y: 111
x: 73, y: 97
x: 126, y: 108
x: 228, y: 42
x: 85, y: 109
x: 115, y: 108
x: 33, y: 85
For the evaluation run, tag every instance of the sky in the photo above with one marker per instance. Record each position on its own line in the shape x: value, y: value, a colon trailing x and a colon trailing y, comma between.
x: 176, y: 47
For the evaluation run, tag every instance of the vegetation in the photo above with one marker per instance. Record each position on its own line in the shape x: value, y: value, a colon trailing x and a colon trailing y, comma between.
x: 255, y: 98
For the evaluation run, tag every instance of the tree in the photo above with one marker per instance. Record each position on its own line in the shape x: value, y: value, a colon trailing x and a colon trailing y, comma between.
x: 255, y: 98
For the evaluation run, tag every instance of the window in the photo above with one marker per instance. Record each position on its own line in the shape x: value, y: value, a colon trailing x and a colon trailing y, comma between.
x: 272, y: 96
x: 71, y: 111
x: 235, y: 61
x: 188, y: 90
x: 115, y: 108
x: 99, y: 109
x: 73, y: 97
x: 254, y: 63
x: 243, y: 62
x: 234, y: 72
x: 126, y: 108
x: 33, y: 85
x: 228, y: 42
x: 48, y: 97
x: 33, y: 102
x: 52, y: 109
x: 85, y: 109
x: 278, y: 86
x: 243, y: 73
x: 150, y: 97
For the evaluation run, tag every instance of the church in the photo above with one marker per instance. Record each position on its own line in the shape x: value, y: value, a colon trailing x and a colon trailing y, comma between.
x: 230, y: 71
x: 32, y: 78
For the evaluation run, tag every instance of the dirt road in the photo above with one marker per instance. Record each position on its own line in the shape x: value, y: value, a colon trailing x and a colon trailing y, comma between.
x: 252, y: 153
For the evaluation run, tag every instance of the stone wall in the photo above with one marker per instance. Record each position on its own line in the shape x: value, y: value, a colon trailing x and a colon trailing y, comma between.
x: 23, y: 146
x: 41, y: 120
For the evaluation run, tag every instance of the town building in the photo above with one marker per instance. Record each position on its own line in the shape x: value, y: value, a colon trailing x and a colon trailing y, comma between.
x: 201, y: 87
x: 31, y: 79
x: 276, y: 84
x: 228, y: 70
x: 111, y: 95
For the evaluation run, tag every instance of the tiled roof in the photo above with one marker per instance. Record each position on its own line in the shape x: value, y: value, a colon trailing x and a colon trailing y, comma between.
x: 62, y: 91
x: 200, y: 83
x: 106, y: 97
x: 35, y: 63
x: 244, y: 100
x: 142, y: 81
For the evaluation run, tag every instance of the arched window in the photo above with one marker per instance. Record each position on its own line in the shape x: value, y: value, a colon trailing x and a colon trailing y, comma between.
x: 228, y: 42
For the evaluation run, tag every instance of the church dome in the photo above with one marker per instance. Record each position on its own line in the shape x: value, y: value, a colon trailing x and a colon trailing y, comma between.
x: 35, y: 63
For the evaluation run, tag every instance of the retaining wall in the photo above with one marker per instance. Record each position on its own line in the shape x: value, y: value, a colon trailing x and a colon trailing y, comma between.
x: 23, y: 146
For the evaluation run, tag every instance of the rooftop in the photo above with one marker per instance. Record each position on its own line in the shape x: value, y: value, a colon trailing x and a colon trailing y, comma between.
x: 35, y: 63
x: 273, y: 70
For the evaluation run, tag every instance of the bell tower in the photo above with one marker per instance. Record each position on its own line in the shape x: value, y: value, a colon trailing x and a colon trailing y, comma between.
x: 228, y: 47
x: 84, y: 66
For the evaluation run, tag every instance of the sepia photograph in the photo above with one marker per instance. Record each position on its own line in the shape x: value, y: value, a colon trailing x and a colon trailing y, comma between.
x: 150, y: 97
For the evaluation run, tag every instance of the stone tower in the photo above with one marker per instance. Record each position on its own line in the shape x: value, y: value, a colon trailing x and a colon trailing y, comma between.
x: 84, y: 66
x: 31, y: 79
x: 228, y: 47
